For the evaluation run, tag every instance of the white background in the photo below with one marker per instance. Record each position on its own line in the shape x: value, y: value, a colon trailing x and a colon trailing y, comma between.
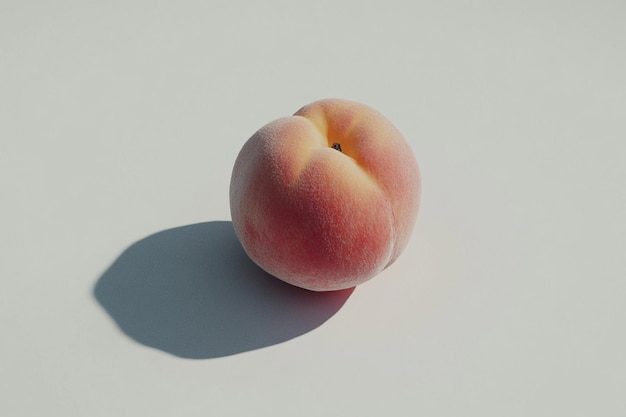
x: 122, y: 119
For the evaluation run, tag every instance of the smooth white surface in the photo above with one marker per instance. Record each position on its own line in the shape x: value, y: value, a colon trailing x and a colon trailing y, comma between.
x: 122, y: 119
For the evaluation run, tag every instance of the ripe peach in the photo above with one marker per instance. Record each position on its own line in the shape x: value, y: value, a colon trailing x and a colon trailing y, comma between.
x: 327, y: 198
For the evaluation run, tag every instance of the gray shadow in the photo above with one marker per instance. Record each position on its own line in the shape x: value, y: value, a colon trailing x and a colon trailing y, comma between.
x: 193, y: 292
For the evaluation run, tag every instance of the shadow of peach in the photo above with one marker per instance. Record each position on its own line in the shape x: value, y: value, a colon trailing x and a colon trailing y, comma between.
x: 192, y: 291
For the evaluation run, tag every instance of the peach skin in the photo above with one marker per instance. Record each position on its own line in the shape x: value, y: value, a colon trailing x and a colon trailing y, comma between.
x: 327, y: 198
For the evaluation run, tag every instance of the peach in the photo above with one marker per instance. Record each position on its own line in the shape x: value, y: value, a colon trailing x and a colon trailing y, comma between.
x: 327, y: 198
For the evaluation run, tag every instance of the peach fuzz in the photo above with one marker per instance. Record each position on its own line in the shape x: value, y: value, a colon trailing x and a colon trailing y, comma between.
x: 327, y: 198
